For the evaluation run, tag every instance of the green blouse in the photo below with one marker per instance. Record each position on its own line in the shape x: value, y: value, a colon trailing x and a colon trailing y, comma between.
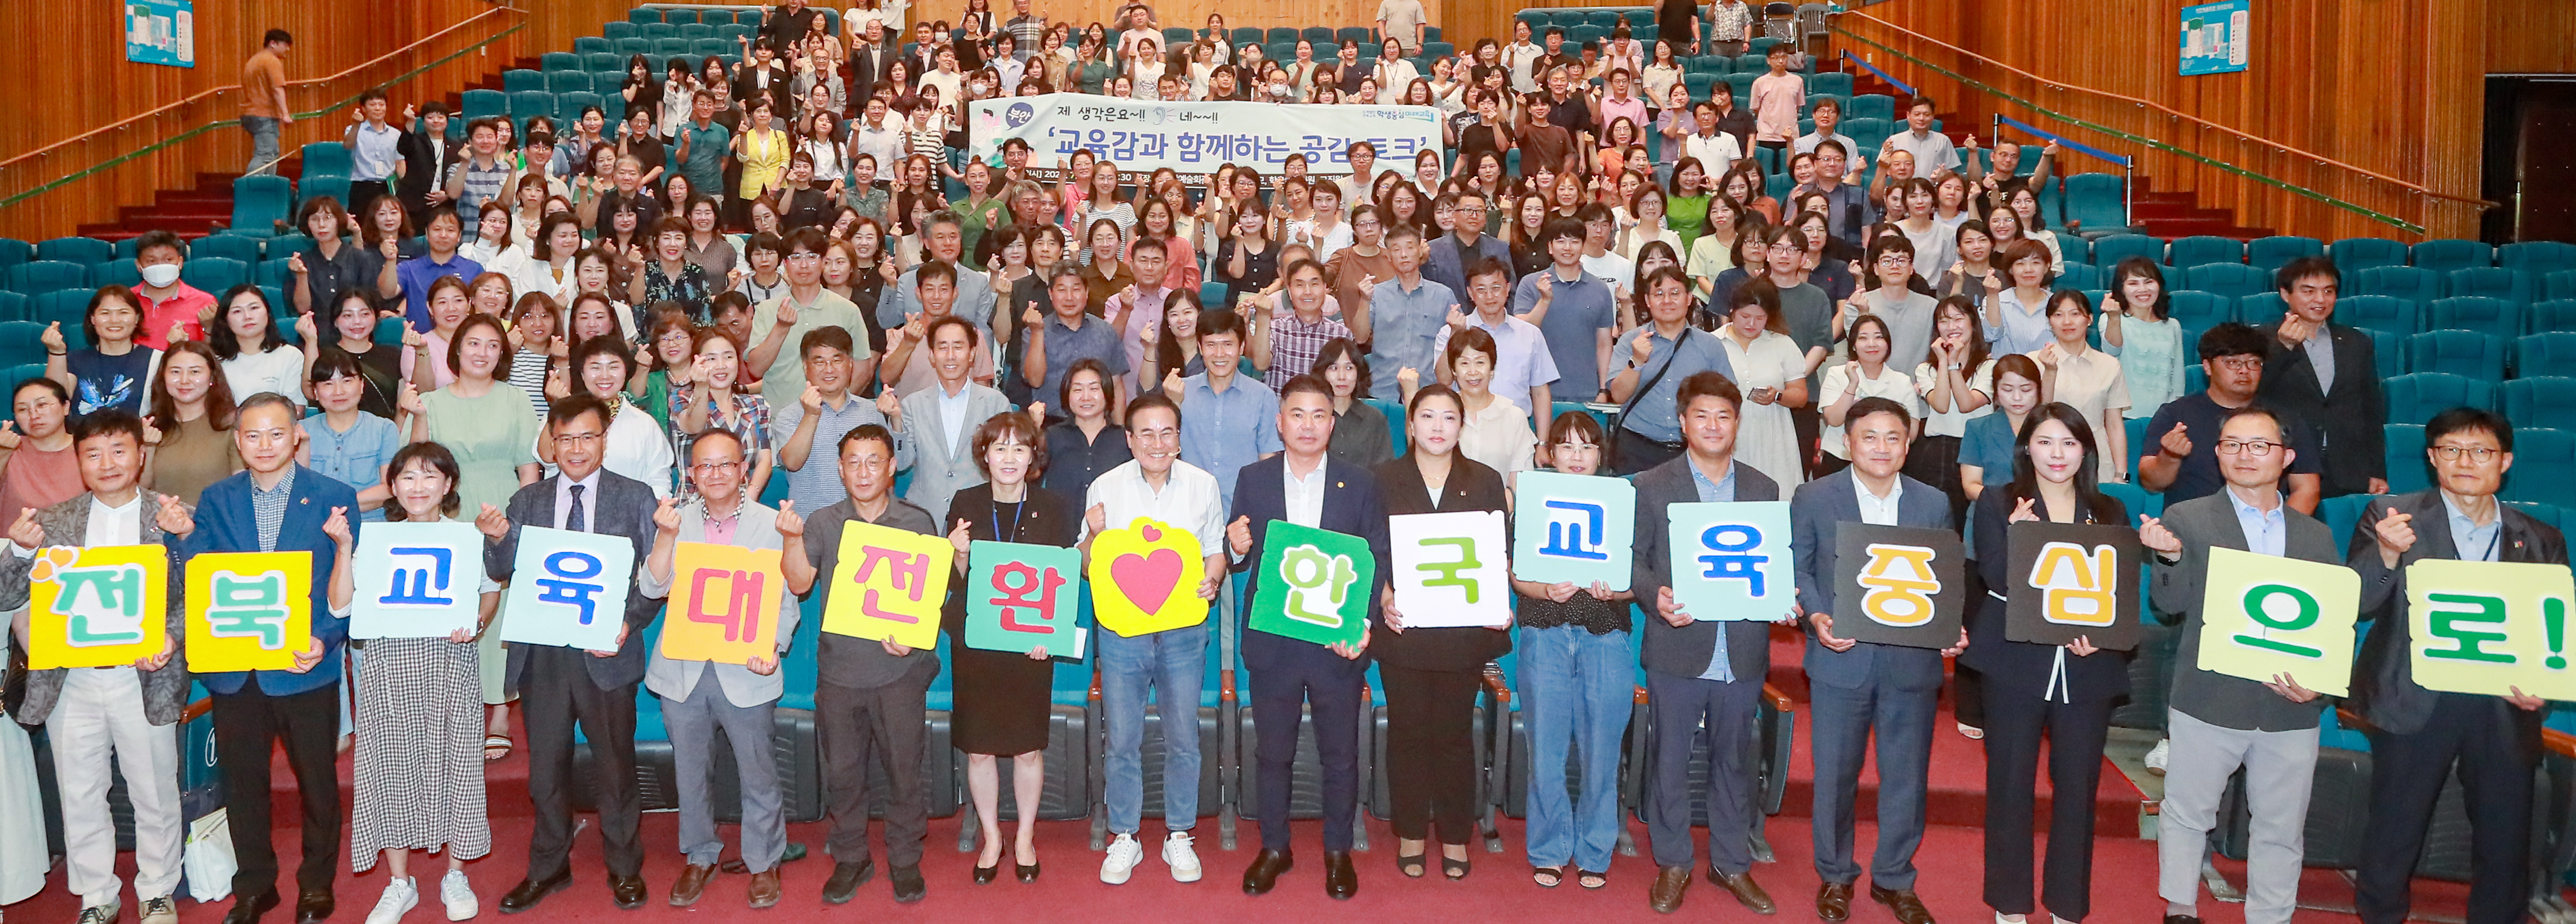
x: 1686, y: 216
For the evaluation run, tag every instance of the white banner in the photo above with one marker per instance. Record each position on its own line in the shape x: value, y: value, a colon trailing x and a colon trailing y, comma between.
x: 1196, y: 138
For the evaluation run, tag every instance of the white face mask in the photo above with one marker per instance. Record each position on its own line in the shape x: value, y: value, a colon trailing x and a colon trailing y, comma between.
x: 160, y: 275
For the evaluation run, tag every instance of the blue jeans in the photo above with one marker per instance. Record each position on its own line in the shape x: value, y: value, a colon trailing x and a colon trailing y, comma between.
x: 1577, y: 689
x: 263, y: 141
x: 1173, y: 664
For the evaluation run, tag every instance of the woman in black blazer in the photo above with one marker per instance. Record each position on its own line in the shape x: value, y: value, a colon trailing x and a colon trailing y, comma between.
x: 1431, y: 675
x: 2062, y: 691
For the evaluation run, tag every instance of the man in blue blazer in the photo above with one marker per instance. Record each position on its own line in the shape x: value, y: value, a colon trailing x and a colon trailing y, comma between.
x: 275, y: 505
x: 1287, y: 673
x: 1857, y: 687
x: 559, y: 686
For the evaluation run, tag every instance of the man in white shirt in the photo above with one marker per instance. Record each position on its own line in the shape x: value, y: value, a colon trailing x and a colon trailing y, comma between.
x: 1712, y: 148
x: 1620, y: 272
x: 1932, y: 150
x: 876, y: 137
x: 375, y: 155
x: 1523, y: 367
x: 1363, y: 158
x: 1828, y: 116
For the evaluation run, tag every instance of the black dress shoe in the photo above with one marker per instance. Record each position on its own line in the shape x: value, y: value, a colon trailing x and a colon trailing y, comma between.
x: 1265, y: 869
x: 247, y: 910
x: 313, y: 906
x: 1341, y: 880
x: 908, y: 885
x: 846, y: 880
x: 628, y: 891
x: 529, y: 892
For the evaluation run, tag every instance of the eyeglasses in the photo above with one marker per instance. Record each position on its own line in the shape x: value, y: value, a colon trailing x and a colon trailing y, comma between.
x: 2256, y: 448
x: 709, y: 468
x: 2241, y: 363
x: 2451, y: 452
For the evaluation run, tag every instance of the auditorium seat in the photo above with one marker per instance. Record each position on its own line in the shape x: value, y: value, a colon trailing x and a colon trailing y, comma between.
x: 2272, y: 252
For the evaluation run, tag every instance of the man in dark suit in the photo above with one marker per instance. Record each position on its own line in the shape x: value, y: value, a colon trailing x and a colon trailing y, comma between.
x: 2326, y: 376
x: 275, y: 505
x: 1860, y: 687
x: 868, y: 63
x: 558, y: 686
x: 1303, y: 486
x: 788, y: 23
x: 427, y: 158
x: 2417, y: 735
x: 1700, y: 673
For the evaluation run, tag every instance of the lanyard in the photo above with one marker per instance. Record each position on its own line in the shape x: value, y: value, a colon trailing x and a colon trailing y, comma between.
x: 1018, y: 511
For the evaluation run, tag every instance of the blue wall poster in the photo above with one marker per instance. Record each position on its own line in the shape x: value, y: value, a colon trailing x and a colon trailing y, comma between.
x: 2215, y: 36
x: 161, y: 32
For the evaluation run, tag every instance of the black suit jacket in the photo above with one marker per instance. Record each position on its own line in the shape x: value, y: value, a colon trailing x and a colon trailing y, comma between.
x: 1352, y: 507
x: 1815, y: 510
x: 1684, y: 651
x: 2026, y: 668
x: 425, y: 167
x: 2383, y: 679
x: 1471, y: 486
x: 624, y: 508
x: 2347, y: 417
x: 783, y: 25
x: 868, y: 65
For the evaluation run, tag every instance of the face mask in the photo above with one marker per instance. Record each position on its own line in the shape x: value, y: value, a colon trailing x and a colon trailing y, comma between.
x: 160, y: 275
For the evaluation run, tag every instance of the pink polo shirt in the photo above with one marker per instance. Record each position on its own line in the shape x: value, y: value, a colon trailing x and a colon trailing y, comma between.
x: 1776, y: 99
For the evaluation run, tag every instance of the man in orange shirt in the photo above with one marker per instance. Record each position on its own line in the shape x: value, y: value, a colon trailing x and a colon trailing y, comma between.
x: 264, y: 98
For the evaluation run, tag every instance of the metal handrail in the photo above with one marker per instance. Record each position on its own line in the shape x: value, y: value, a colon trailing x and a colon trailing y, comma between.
x: 2169, y: 111
x: 215, y: 91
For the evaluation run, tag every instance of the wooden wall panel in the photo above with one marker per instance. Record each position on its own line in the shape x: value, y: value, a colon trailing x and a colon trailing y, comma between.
x: 2531, y: 37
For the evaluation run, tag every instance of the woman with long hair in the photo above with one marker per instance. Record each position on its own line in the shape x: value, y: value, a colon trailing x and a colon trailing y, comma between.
x: 1248, y: 261
x: 188, y: 438
x: 2074, y: 374
x: 538, y: 348
x: 1360, y: 432
x: 1972, y: 274
x: 1529, y: 216
x: 2139, y: 328
x: 1771, y: 373
x: 1956, y: 380
x: 115, y: 371
x: 2025, y: 208
x: 1159, y: 219
x: 1002, y: 698
x: 1686, y: 202
x: 1431, y: 676
x: 255, y: 358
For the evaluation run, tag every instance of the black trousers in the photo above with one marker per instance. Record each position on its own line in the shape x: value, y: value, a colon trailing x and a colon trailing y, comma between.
x: 2407, y: 773
x: 1632, y: 453
x: 1431, y: 754
x: 308, y: 724
x: 2015, y: 722
x: 858, y: 725
x: 1810, y: 427
x: 1277, y: 692
x: 556, y: 693
x: 1934, y: 460
x: 362, y: 192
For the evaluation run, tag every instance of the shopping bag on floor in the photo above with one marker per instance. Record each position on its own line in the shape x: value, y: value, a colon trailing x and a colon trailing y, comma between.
x: 208, y: 863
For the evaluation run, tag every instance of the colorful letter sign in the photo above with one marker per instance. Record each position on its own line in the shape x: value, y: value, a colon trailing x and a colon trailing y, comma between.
x: 1145, y: 578
x: 1315, y: 585
x: 98, y: 607
x: 890, y: 585
x: 724, y: 604
x: 1898, y: 585
x: 416, y: 580
x: 2490, y: 627
x: 1020, y: 597
x: 568, y: 589
x: 2071, y: 580
x: 1448, y: 569
x: 2262, y: 615
x: 248, y: 611
x: 1732, y: 561
x: 1578, y: 528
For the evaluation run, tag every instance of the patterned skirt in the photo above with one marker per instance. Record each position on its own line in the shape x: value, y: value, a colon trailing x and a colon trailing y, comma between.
x: 420, y: 751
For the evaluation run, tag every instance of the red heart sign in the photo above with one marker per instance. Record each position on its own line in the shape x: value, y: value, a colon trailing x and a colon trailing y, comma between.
x: 1147, y: 580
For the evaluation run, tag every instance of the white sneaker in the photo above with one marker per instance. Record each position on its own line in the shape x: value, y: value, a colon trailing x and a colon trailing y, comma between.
x: 1184, y: 861
x: 160, y: 911
x: 400, y: 895
x: 459, y: 896
x: 2157, y: 758
x: 1124, y: 854
x: 99, y: 914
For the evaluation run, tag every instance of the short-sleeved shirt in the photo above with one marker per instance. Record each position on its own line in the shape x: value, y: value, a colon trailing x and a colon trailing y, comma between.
x: 1987, y: 443
x: 705, y: 165
x: 2200, y: 417
x: 1951, y: 422
x: 849, y: 661
x: 818, y: 484
x: 181, y: 308
x: 1074, y: 462
x: 1095, y: 339
x: 2094, y: 386
x: 783, y: 383
x: 1523, y: 361
x: 1294, y: 343
x: 1221, y: 432
x: 100, y: 381
x: 1654, y: 413
x: 357, y: 456
x: 415, y: 275
x: 262, y: 76
x: 373, y: 155
x: 1404, y: 324
x: 1402, y: 17
x: 1578, y: 310
x: 1892, y: 383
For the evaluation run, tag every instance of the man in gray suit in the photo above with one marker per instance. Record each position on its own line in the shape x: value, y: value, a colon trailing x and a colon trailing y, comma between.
x: 1859, y: 687
x: 123, y: 712
x: 700, y: 696
x: 559, y: 686
x: 1700, y: 674
x: 942, y: 418
x: 2218, y: 723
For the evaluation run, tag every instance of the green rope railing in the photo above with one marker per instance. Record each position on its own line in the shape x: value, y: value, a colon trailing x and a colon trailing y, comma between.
x: 231, y: 123
x: 2152, y: 143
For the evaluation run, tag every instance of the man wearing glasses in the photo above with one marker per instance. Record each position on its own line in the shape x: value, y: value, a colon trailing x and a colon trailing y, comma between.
x: 2177, y: 458
x: 2417, y: 735
x: 700, y: 696
x: 781, y: 323
x: 2218, y: 723
x: 1467, y: 243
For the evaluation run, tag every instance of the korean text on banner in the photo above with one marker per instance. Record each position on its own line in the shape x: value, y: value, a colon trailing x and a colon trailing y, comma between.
x: 1732, y: 561
x: 890, y: 585
x: 416, y: 580
x: 2263, y: 616
x: 1145, y: 578
x: 2490, y: 627
x: 248, y: 611
x: 1194, y: 138
x: 1449, y: 569
x: 724, y: 604
x: 1022, y: 597
x: 2070, y: 581
x: 97, y: 607
x: 1315, y: 585
x: 568, y: 589
x: 1573, y: 528
x: 1899, y: 585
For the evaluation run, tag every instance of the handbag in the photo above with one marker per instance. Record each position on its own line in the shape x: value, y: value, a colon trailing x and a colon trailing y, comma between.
x: 208, y: 864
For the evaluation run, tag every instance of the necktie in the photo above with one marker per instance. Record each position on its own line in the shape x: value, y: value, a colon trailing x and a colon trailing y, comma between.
x: 575, y: 521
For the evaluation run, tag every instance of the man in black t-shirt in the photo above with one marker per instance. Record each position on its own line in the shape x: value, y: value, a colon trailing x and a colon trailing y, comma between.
x: 1678, y: 20
x: 2180, y: 456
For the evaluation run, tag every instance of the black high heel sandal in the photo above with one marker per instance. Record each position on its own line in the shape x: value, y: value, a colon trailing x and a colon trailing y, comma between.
x: 1412, y: 866
x: 1456, y: 870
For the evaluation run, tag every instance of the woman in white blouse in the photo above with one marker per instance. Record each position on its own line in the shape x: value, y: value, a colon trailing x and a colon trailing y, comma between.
x: 1395, y: 72
x: 634, y: 445
x: 1145, y: 69
x: 549, y: 269
x: 1866, y: 376
x: 1957, y: 383
x: 255, y: 358
x: 2088, y: 380
x: 496, y: 246
x: 1772, y: 373
x: 1495, y: 431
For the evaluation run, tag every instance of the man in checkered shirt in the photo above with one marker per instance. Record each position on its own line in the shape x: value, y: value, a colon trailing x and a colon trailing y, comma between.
x: 1025, y: 29
x: 1285, y: 348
